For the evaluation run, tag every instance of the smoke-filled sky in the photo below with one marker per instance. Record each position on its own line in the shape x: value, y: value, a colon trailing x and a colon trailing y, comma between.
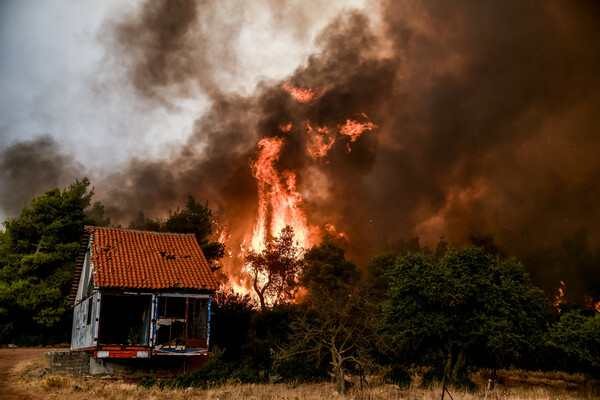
x: 486, y: 113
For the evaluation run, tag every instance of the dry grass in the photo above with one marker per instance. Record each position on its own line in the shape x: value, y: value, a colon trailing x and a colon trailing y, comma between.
x: 516, y: 385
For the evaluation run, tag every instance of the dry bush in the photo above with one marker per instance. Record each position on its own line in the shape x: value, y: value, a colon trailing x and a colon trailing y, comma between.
x: 29, y: 367
x: 54, y: 383
x: 522, y: 386
x: 83, y: 389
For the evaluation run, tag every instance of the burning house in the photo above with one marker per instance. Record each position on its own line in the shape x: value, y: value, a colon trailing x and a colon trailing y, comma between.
x: 137, y: 294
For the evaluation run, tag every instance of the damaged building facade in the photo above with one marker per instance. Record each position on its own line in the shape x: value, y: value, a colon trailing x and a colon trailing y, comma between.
x: 140, y: 294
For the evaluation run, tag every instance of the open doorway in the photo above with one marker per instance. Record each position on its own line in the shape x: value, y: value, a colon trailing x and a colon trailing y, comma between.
x: 125, y: 320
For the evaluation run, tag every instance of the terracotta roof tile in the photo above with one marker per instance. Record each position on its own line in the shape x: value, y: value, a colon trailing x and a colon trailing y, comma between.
x: 133, y: 259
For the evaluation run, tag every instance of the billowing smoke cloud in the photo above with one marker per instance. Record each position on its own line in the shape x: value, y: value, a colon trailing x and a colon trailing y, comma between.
x: 29, y: 168
x: 485, y: 114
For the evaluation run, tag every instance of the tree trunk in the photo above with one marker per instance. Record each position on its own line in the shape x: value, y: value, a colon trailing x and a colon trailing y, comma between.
x: 261, y: 297
x: 340, y: 382
x: 447, y: 368
x: 338, y: 371
x: 459, y: 364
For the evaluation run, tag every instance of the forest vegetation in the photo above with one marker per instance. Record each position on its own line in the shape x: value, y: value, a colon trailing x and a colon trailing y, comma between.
x: 439, y: 314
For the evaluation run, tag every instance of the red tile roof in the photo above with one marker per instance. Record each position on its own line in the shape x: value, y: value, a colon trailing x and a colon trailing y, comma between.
x: 133, y: 259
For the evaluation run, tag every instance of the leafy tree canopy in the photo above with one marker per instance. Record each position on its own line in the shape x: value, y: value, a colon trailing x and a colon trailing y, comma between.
x: 579, y: 336
x: 38, y: 250
x: 378, y: 269
x: 327, y: 273
x: 467, y: 305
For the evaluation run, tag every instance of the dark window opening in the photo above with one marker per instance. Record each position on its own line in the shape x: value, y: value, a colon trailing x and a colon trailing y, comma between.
x: 171, y: 307
x: 197, y: 315
x: 89, y: 311
x: 125, y: 320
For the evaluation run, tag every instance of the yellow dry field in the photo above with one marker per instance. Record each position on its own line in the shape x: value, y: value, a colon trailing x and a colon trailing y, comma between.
x: 516, y: 385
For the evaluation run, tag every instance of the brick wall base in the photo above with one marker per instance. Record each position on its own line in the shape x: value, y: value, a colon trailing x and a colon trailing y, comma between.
x: 69, y: 362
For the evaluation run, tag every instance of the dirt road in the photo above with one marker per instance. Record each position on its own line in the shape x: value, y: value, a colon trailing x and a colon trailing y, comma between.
x: 9, y: 389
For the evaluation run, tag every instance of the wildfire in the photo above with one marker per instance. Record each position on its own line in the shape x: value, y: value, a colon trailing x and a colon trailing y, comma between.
x: 320, y: 141
x: 279, y: 204
x: 332, y: 231
x: 354, y: 129
x: 560, y: 298
x: 285, y: 127
x: 302, y: 95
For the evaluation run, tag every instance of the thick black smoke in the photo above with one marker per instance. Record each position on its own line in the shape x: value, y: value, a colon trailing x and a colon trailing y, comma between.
x: 486, y: 117
x: 29, y: 168
x: 485, y: 113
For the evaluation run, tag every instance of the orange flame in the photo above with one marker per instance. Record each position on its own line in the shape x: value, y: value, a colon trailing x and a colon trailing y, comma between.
x: 285, y: 127
x: 590, y: 304
x: 560, y: 298
x: 319, y: 141
x: 302, y: 95
x: 279, y: 204
x: 331, y: 230
x: 354, y: 129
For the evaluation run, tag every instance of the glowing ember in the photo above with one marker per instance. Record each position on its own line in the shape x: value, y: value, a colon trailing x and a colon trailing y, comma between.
x: 332, y: 231
x: 319, y: 142
x: 354, y: 129
x: 285, y: 127
x: 321, y: 139
x: 278, y: 201
x: 300, y: 94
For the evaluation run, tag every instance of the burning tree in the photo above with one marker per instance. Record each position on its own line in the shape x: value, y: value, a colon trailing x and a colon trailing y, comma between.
x: 275, y: 270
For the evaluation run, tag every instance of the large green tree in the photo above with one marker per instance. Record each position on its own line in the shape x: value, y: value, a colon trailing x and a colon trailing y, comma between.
x: 38, y: 250
x: 337, y: 320
x: 468, y: 307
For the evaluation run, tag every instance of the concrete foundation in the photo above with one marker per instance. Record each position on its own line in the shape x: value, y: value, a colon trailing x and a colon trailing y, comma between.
x: 74, y: 363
